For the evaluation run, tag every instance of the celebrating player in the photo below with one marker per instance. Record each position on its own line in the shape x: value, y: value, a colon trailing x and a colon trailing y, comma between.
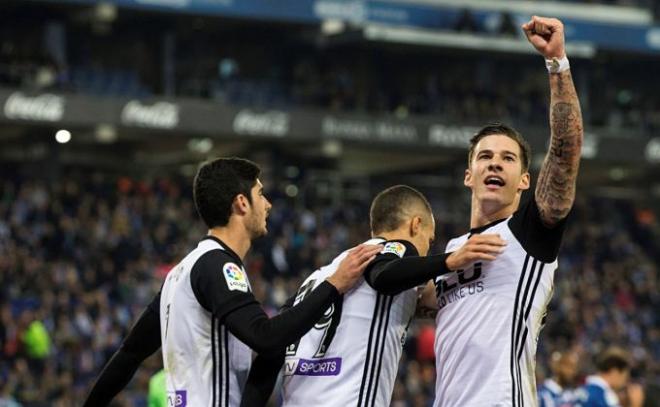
x: 352, y: 354
x: 491, y: 313
x: 205, y: 316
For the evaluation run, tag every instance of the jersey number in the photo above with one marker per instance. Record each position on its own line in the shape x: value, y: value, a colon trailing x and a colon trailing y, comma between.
x: 328, y: 322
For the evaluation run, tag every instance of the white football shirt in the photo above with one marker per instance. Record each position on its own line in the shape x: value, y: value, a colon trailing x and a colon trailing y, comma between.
x: 205, y: 365
x: 351, y: 356
x: 490, y: 316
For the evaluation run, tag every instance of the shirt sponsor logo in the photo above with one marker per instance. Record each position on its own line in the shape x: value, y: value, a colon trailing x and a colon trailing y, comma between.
x: 235, y: 277
x: 395, y: 248
x: 317, y: 367
x: 453, y: 287
x: 178, y: 398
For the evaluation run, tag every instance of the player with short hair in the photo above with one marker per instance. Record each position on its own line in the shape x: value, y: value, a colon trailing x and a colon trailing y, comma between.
x: 205, y: 317
x: 558, y: 390
x: 351, y: 356
x: 613, y: 373
x: 491, y: 312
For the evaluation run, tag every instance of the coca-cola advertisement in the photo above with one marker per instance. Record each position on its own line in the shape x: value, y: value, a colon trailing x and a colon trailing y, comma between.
x: 46, y: 107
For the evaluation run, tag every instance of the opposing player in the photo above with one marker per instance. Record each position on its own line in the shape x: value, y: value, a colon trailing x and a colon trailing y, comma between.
x: 351, y: 356
x: 559, y: 389
x: 613, y: 374
x: 491, y: 313
x: 205, y: 316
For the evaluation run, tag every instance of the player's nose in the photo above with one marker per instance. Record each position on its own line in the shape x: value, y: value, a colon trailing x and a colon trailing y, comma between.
x: 494, y: 165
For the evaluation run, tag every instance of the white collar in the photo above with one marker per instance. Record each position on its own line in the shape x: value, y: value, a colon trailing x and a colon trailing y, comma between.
x: 598, y: 381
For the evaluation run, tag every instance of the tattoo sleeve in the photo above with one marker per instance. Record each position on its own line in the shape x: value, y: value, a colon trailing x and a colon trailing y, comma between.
x: 555, y: 189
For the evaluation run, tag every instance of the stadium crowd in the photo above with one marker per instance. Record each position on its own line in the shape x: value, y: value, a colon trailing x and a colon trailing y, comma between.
x: 81, y: 255
x: 305, y: 69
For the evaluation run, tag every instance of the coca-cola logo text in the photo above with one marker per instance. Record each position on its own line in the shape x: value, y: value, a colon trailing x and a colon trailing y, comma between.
x: 46, y: 107
x: 273, y: 123
x: 160, y: 115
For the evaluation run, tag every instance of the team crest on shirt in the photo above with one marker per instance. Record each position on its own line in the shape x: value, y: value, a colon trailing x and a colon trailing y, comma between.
x: 235, y: 277
x: 395, y: 248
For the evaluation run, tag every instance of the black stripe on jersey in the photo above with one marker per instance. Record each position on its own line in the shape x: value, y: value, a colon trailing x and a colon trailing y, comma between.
x: 526, y: 315
x: 225, y: 348
x: 513, y: 332
x: 389, y: 300
x: 519, y: 325
x: 365, y: 372
x: 220, y: 356
x: 373, y: 348
x: 214, y: 357
x: 379, y: 340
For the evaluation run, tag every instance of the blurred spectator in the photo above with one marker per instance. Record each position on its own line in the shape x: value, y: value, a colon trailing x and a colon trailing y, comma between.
x: 507, y: 25
x: 453, y: 87
x: 36, y: 342
x: 465, y: 22
x: 425, y: 340
x: 632, y: 395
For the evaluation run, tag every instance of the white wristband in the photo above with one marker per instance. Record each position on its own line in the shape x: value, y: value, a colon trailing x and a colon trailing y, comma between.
x: 556, y: 65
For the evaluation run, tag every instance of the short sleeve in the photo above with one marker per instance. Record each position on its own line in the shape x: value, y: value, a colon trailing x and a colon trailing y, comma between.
x: 537, y: 239
x: 220, y: 284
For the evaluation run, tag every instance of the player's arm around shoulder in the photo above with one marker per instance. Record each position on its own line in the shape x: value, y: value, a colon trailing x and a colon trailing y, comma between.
x: 479, y: 247
x: 555, y: 189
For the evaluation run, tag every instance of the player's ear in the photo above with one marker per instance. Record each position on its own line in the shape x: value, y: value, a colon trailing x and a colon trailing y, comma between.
x: 467, y: 181
x: 524, y: 182
x: 415, y: 226
x: 241, y: 204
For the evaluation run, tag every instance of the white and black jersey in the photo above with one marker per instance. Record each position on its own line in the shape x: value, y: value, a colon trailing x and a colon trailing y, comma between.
x: 351, y: 356
x: 205, y: 364
x: 206, y: 320
x: 491, y: 313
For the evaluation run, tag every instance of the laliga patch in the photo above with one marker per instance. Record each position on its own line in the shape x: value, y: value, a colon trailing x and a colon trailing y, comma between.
x: 395, y: 248
x: 236, y: 280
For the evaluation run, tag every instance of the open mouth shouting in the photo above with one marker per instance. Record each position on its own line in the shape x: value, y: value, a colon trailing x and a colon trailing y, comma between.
x: 494, y: 182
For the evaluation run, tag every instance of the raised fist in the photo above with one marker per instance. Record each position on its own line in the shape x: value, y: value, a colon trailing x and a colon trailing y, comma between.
x: 546, y: 35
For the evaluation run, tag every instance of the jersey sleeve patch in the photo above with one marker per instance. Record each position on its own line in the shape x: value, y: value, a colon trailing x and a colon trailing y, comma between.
x: 236, y: 279
x: 396, y: 248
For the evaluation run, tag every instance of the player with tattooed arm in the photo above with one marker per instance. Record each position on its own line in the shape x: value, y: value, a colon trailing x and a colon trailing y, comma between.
x: 490, y: 313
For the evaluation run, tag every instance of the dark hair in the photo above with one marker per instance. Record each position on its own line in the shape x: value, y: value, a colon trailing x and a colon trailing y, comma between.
x: 612, y: 358
x: 216, y: 185
x: 390, y: 207
x: 504, y: 130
